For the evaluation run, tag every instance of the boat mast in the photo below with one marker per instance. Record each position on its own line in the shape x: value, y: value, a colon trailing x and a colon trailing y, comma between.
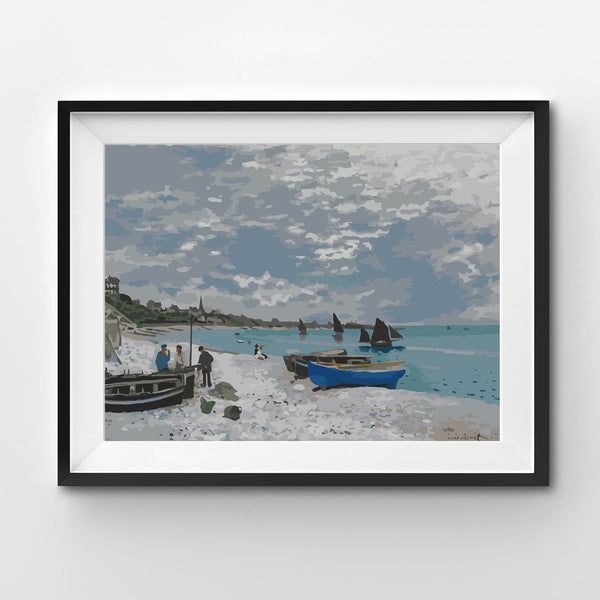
x: 191, y: 321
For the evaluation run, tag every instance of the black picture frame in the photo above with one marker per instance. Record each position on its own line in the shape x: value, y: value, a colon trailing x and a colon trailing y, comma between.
x: 541, y: 472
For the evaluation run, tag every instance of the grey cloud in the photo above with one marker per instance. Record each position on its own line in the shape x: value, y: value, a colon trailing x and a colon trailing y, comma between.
x: 246, y: 209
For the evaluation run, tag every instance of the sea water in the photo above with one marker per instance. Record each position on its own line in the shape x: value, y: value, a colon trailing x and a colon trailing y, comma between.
x: 449, y: 362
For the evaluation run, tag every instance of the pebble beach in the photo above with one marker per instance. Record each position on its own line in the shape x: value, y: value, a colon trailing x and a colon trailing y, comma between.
x: 277, y: 406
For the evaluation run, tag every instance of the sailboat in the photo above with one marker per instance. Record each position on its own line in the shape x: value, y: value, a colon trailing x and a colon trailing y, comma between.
x: 337, y: 326
x: 301, y: 327
x: 364, y: 336
x: 381, y: 336
x: 394, y: 334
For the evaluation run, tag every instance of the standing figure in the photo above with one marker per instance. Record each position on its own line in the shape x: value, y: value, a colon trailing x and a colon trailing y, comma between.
x: 258, y: 352
x: 205, y: 361
x: 180, y: 359
x: 162, y: 358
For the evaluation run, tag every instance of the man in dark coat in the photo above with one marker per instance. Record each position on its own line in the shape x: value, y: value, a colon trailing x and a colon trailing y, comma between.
x: 205, y: 361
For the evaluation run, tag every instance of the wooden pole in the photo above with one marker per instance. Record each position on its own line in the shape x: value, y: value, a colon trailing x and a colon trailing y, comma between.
x: 191, y: 321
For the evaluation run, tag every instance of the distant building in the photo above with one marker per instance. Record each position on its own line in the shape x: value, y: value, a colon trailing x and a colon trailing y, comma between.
x: 152, y: 305
x: 201, y: 308
x: 111, y: 285
x: 173, y: 308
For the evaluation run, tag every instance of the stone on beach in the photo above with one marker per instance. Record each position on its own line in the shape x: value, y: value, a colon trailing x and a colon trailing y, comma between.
x: 232, y: 412
x: 225, y: 391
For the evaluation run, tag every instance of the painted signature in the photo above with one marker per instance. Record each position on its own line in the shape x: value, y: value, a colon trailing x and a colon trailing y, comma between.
x: 470, y: 437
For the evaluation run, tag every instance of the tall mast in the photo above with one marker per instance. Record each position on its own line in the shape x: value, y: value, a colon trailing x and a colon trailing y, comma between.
x: 191, y: 321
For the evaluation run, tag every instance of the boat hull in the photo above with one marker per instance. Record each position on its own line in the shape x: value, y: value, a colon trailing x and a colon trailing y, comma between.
x: 325, y: 376
x: 131, y: 393
x: 381, y: 348
x: 134, y: 403
x: 298, y: 363
x: 186, y: 374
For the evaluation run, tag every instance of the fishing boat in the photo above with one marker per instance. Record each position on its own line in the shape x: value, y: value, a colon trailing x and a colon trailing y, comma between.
x: 381, y: 335
x: 381, y: 341
x: 337, y: 326
x: 298, y: 363
x: 378, y: 374
x: 394, y: 333
x: 301, y: 327
x: 128, y: 393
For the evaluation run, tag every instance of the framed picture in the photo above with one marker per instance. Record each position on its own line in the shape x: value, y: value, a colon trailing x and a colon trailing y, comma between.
x: 303, y: 293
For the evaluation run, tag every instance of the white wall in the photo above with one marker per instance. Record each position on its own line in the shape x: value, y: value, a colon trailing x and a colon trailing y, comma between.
x: 289, y: 543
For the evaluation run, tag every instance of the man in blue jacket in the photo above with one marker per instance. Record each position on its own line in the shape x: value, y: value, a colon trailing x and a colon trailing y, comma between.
x: 162, y: 358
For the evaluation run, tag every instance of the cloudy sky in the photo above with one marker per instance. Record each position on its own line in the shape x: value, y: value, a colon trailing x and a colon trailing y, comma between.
x: 405, y: 232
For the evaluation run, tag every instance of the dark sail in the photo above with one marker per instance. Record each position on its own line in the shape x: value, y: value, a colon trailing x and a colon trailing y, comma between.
x: 394, y: 334
x: 364, y: 336
x: 380, y: 336
x: 337, y: 326
x: 301, y: 326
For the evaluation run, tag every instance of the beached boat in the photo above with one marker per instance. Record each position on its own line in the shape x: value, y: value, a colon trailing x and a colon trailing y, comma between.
x: 298, y: 363
x: 378, y: 374
x: 128, y: 393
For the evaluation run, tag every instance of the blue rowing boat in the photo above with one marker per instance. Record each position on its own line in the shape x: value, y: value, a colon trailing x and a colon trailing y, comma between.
x: 378, y: 374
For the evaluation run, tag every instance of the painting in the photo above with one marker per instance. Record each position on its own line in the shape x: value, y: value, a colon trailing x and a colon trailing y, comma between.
x: 324, y: 292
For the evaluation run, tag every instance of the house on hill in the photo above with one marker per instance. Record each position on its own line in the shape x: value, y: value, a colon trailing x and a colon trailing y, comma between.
x: 111, y: 285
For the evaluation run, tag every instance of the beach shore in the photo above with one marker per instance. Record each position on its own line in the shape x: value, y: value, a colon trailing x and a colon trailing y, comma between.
x: 212, y: 326
x: 276, y: 406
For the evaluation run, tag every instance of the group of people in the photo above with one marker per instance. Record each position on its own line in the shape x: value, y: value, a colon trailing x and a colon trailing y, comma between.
x: 204, y: 362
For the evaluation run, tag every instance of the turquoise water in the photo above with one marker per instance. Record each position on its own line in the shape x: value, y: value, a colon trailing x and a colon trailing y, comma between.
x: 449, y: 362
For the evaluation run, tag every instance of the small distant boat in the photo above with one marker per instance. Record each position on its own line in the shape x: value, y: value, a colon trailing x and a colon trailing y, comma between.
x: 465, y: 328
x: 378, y: 374
x: 394, y: 333
x: 301, y: 326
x: 381, y: 336
x: 337, y: 326
x: 364, y: 336
x: 129, y: 393
x: 298, y: 363
x: 240, y: 341
x: 448, y: 327
x: 237, y: 333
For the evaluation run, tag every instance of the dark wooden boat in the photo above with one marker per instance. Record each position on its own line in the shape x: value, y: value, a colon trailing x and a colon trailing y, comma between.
x: 298, y: 363
x: 188, y: 375
x: 364, y: 336
x: 301, y: 326
x: 129, y: 393
x: 124, y: 393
